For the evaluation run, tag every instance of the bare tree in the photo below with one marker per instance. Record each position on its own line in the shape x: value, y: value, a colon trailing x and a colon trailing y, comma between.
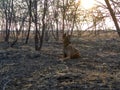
x: 8, y: 14
x: 36, y: 26
x: 113, y: 16
x: 29, y: 4
x: 43, y: 22
x: 18, y: 31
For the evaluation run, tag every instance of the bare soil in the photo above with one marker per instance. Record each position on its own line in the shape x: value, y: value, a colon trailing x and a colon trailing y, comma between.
x: 98, y: 68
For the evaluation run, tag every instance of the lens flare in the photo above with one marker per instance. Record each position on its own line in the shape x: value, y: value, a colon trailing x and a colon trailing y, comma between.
x: 87, y: 4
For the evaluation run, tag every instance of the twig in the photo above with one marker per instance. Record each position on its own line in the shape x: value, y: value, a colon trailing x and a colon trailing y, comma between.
x: 4, y: 86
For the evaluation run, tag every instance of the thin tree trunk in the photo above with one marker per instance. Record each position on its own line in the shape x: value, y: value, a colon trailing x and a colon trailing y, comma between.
x: 6, y: 27
x: 57, y: 31
x: 113, y: 16
x: 63, y: 22
x: 30, y: 20
x: 43, y: 22
x: 18, y: 31
x: 36, y: 28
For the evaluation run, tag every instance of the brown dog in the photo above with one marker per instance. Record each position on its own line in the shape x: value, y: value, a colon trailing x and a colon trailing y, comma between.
x: 69, y: 51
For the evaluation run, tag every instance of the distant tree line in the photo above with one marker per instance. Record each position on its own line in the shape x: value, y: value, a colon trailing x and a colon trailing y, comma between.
x: 56, y: 16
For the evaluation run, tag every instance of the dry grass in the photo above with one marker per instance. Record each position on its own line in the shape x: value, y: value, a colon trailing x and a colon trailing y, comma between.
x: 23, y: 68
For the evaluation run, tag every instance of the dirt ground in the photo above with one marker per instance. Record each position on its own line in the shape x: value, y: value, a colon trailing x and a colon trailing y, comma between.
x: 98, y: 68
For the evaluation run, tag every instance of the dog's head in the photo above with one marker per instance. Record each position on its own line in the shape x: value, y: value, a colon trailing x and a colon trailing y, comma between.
x: 66, y: 39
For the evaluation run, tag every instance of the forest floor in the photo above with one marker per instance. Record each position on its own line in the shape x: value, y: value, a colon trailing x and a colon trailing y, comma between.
x: 98, y: 68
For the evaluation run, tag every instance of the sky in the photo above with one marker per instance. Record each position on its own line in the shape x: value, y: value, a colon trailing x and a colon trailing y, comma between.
x: 88, y: 4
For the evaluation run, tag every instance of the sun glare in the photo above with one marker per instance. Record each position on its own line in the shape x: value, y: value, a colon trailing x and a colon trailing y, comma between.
x: 86, y: 4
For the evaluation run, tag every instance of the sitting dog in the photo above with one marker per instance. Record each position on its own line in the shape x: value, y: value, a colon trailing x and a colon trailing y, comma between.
x: 69, y: 51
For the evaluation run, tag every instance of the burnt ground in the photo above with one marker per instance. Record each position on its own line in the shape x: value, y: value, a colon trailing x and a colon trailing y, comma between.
x: 23, y: 68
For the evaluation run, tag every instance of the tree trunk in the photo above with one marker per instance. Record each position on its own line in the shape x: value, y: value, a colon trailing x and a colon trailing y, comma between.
x: 6, y: 27
x: 30, y: 20
x: 113, y: 16
x: 43, y: 23
x: 18, y: 31
x: 63, y: 22
x: 36, y: 28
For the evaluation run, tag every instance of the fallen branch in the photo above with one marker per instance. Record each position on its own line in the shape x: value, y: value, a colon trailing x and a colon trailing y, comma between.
x: 4, y: 86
